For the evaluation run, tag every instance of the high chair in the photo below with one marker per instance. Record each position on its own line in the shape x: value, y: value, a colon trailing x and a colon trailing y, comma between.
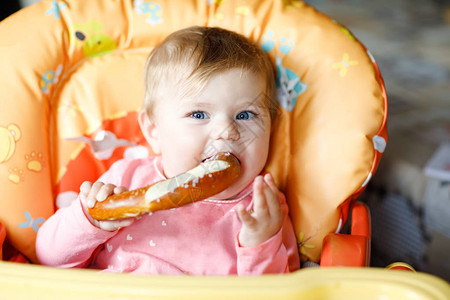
x: 72, y: 88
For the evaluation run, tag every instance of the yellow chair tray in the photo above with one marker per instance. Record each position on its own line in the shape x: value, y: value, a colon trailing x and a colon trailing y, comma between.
x: 18, y: 281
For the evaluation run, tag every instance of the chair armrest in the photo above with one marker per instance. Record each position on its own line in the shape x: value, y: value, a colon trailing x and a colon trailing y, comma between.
x: 361, y: 220
x: 17, y: 257
x: 351, y: 250
x: 400, y: 266
x: 2, y: 239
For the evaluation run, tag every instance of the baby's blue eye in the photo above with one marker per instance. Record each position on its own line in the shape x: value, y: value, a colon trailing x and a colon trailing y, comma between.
x: 245, y: 115
x: 198, y: 115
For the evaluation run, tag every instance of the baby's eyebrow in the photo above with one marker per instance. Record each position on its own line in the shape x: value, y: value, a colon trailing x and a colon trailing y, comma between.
x: 255, y: 103
x: 198, y: 104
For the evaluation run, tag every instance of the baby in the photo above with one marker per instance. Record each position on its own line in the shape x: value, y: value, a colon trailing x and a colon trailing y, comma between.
x: 208, y: 90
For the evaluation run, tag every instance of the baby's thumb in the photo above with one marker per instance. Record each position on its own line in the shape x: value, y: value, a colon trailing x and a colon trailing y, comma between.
x: 244, y: 215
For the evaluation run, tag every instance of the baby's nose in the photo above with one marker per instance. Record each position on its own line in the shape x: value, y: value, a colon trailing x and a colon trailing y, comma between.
x: 227, y: 131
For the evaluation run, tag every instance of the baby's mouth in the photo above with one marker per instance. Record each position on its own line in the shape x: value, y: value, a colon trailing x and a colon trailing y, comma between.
x: 215, y: 156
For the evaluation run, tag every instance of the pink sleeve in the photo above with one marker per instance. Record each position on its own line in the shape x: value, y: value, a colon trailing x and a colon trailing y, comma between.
x: 68, y: 239
x: 278, y: 254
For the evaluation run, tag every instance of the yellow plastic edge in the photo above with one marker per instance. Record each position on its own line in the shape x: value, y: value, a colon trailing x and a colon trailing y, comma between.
x: 20, y: 281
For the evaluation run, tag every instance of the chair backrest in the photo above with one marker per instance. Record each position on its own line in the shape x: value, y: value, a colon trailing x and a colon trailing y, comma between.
x: 72, y: 86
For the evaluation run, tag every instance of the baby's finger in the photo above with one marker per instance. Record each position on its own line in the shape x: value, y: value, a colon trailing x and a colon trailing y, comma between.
x: 115, y: 225
x: 272, y: 196
x: 108, y: 225
x: 120, y: 189
x: 259, y: 196
x: 92, y: 197
x: 125, y: 222
x: 104, y: 192
x: 268, y: 178
x: 245, y: 216
x: 85, y: 188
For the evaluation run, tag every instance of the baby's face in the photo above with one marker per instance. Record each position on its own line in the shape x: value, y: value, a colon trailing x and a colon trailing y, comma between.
x: 228, y: 115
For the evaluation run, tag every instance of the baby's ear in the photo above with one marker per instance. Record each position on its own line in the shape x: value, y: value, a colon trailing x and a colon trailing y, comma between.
x: 150, y: 131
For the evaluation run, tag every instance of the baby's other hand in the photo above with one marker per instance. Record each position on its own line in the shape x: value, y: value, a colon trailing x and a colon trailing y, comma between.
x: 266, y: 219
x: 91, y: 193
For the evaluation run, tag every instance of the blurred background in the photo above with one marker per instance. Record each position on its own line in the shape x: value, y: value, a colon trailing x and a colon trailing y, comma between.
x: 409, y: 200
x: 410, y: 207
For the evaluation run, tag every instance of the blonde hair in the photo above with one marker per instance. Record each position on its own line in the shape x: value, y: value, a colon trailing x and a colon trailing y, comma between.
x: 193, y: 55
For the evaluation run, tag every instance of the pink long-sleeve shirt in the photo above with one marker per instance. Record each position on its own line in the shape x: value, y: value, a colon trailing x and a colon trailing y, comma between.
x: 198, y: 238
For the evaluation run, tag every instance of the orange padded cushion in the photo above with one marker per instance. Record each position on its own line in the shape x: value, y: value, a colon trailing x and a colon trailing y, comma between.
x: 72, y: 86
